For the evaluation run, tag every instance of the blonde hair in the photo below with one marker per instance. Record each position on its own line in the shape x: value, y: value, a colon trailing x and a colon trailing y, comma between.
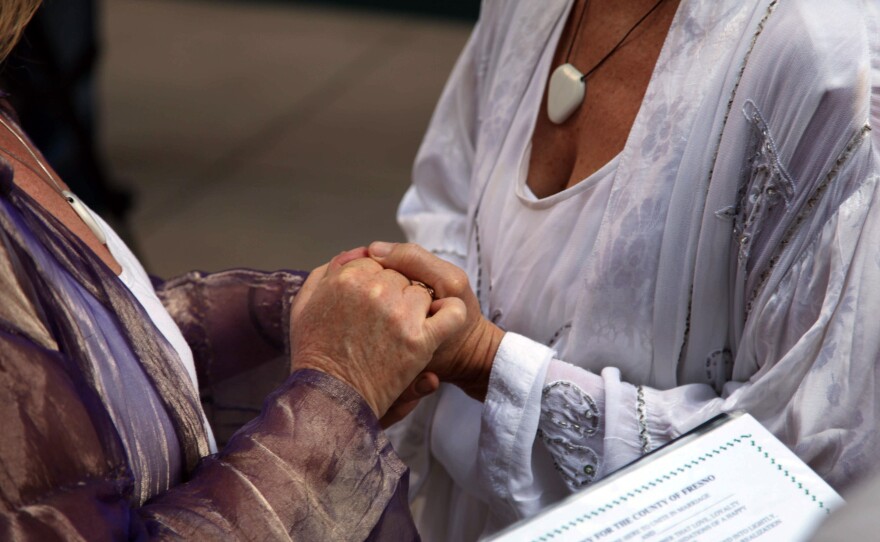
x: 14, y: 16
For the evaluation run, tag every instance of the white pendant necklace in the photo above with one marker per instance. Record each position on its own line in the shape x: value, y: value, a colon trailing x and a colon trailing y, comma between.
x: 565, y: 93
x: 568, y: 86
x: 78, y: 207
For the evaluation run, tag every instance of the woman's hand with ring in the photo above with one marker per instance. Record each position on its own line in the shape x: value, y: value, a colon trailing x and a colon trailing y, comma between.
x: 369, y: 327
x: 425, y: 286
x: 466, y: 357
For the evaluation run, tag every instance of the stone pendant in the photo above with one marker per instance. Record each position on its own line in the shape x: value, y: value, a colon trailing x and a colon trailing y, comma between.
x: 565, y: 94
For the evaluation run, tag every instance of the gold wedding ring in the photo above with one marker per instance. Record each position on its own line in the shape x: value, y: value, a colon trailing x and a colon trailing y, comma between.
x: 425, y: 286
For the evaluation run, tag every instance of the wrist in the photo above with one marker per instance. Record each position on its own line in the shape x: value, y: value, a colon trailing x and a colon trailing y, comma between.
x: 334, y: 370
x: 484, y: 347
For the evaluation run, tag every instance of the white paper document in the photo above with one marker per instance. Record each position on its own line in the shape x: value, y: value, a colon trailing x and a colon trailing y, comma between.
x: 728, y: 481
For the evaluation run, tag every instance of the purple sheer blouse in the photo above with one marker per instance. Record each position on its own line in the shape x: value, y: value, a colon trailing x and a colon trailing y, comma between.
x: 102, y: 430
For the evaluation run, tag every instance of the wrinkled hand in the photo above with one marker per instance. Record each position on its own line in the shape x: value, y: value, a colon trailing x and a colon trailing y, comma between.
x: 369, y: 327
x: 466, y: 357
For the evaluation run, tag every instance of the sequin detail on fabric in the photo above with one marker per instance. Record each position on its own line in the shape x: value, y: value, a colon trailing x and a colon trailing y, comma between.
x: 569, y: 416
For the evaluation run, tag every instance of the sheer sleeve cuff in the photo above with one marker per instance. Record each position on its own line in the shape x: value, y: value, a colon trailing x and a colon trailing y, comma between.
x: 350, y: 406
x: 639, y: 419
x: 626, y: 435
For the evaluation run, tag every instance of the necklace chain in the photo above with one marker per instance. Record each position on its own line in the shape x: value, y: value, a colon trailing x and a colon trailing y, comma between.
x: 36, y: 158
x: 22, y: 161
x: 613, y: 49
x: 78, y: 207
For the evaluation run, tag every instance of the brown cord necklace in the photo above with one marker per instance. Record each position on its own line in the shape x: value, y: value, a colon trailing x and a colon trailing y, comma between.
x: 568, y: 85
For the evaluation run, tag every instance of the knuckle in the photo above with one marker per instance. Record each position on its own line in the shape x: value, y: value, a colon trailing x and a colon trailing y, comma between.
x: 353, y: 283
x: 412, y: 342
x: 459, y: 313
x: 376, y: 291
x: 457, y: 282
x: 347, y: 278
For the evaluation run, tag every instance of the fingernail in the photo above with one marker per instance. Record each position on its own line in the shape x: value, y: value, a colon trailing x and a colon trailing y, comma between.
x: 380, y: 249
x: 424, y: 386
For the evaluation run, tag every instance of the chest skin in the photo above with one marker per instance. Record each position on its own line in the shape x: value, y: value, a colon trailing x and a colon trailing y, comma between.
x: 565, y: 154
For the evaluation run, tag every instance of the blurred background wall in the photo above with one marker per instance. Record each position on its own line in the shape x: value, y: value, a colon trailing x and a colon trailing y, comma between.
x: 266, y: 134
x: 461, y: 9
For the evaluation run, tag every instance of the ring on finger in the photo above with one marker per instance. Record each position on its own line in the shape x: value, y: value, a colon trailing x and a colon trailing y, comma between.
x: 425, y: 286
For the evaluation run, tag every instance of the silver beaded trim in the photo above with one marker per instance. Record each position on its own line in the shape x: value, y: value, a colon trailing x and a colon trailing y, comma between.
x: 479, y: 288
x: 569, y: 418
x: 742, y: 68
x: 565, y: 405
x: 576, y: 477
x: 818, y: 192
x: 770, y: 183
x: 643, y: 420
x: 558, y: 334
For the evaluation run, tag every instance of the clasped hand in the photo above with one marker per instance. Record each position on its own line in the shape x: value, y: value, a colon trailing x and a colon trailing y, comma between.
x: 361, y: 319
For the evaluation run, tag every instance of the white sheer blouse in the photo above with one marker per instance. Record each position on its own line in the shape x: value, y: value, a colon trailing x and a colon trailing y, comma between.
x: 727, y: 259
